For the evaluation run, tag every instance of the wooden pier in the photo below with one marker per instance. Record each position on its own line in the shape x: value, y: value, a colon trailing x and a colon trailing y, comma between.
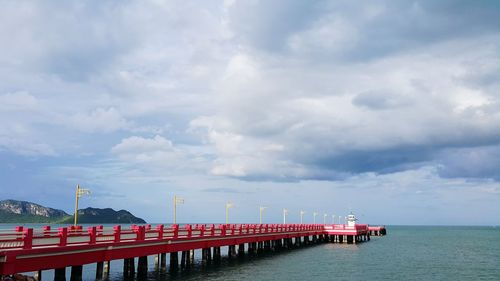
x: 36, y: 250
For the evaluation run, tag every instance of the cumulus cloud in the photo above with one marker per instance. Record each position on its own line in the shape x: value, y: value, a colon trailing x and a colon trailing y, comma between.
x: 397, y: 110
x: 158, y: 156
x: 238, y: 86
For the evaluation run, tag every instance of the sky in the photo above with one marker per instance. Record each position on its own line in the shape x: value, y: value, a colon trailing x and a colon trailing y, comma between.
x: 388, y: 109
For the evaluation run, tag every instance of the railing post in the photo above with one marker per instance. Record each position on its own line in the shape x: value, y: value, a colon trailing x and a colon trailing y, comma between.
x: 141, y: 232
x: 233, y: 229
x: 160, y: 230
x: 189, y: 229
x: 63, y: 236
x: 267, y: 228
x: 92, y: 230
x: 176, y: 230
x: 117, y: 229
x: 28, y: 238
x: 222, y: 230
x: 46, y: 230
x: 202, y: 230
x: 212, y: 230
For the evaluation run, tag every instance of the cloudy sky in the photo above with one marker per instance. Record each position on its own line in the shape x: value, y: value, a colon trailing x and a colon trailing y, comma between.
x: 390, y: 109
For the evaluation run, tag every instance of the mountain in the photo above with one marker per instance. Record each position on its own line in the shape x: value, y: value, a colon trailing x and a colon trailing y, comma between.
x: 107, y: 215
x: 13, y: 211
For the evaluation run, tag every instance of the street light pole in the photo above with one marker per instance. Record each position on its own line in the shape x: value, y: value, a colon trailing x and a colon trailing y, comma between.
x: 228, y: 205
x: 79, y: 193
x: 261, y: 210
x: 324, y: 218
x: 333, y: 219
x: 314, y: 217
x: 285, y: 212
x: 177, y: 200
x: 302, y: 216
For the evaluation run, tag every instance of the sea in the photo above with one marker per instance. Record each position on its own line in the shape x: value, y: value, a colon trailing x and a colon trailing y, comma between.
x: 405, y: 253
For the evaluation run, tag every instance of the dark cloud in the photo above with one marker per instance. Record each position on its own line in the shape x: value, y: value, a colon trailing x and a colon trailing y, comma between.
x: 267, y: 24
x: 470, y: 162
x: 358, y: 32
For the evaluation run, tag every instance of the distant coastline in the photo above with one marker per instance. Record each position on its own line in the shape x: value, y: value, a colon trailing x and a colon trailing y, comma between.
x: 15, y: 211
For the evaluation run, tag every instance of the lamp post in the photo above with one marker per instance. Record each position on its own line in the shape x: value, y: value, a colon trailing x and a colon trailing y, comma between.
x: 314, y: 217
x: 261, y: 210
x: 333, y: 219
x: 302, y: 216
x: 228, y: 205
x: 324, y: 218
x: 285, y: 212
x: 79, y: 193
x: 177, y: 200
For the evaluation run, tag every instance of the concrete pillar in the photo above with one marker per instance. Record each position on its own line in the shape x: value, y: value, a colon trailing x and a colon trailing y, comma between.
x: 174, y: 261
x: 76, y: 273
x: 38, y: 276
x: 191, y: 257
x: 204, y: 256
x: 157, y: 262
x: 163, y: 262
x: 188, y: 259
x: 183, y: 259
x: 231, y: 251
x: 60, y: 274
x: 106, y: 269
x: 250, y: 249
x: 142, y: 267
x: 129, y: 267
x: 216, y: 254
x: 99, y: 271
x: 241, y: 250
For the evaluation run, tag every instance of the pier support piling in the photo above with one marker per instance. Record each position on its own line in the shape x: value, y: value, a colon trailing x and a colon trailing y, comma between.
x: 76, y: 273
x: 129, y: 267
x: 142, y: 267
x: 107, y: 266
x: 241, y: 250
x: 163, y: 262
x: 174, y: 261
x: 60, y: 274
x: 38, y: 276
x: 99, y: 269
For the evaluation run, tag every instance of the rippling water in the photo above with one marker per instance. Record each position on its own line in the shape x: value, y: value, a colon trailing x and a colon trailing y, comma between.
x: 406, y: 253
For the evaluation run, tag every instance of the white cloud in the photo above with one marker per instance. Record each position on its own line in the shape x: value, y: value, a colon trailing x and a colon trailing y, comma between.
x: 99, y: 120
x: 18, y: 101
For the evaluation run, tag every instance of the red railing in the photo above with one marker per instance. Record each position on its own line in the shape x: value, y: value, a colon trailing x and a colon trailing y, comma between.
x: 29, y: 238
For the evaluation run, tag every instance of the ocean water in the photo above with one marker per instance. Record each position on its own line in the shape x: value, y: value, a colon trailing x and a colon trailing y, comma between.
x: 406, y: 253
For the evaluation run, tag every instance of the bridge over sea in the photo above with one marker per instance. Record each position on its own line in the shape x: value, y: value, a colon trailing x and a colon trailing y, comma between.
x: 35, y: 250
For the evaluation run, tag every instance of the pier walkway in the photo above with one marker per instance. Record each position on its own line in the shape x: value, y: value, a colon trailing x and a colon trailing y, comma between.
x: 28, y: 250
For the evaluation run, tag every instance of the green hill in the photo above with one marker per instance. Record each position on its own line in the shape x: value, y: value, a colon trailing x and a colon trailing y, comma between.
x: 107, y: 215
x: 13, y: 211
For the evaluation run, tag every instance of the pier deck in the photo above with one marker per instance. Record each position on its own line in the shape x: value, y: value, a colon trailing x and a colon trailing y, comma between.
x: 26, y: 249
